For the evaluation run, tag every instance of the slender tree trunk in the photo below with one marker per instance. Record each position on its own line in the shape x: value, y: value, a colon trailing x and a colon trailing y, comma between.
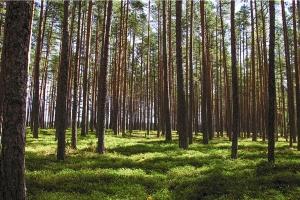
x: 125, y: 73
x: 272, y: 89
x: 296, y: 74
x: 254, y: 133
x: 191, y: 83
x: 38, y: 55
x: 119, y: 77
x: 147, y: 73
x: 75, y: 82
x: 298, y: 82
x: 228, y: 111
x: 102, y: 84
x: 291, y: 105
x: 181, y: 122
x: 131, y: 119
x: 44, y: 79
x: 84, y: 124
x: 95, y: 76
x: 166, y: 84
x: 235, y: 90
x: 265, y: 61
x: 187, y: 65
x: 204, y: 78
x: 61, y: 107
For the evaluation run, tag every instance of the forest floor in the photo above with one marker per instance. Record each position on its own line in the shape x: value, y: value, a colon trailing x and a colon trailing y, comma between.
x: 147, y: 168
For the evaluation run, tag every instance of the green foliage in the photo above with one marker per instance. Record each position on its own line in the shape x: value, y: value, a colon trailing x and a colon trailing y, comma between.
x: 136, y: 167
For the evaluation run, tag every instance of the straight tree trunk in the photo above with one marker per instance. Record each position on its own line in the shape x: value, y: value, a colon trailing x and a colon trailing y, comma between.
x: 84, y: 124
x: 13, y: 82
x: 44, y: 80
x: 166, y: 84
x: 181, y: 122
x: 125, y: 73
x: 272, y: 89
x: 75, y: 82
x: 298, y: 82
x: 235, y: 90
x: 296, y: 61
x: 71, y: 69
x: 191, y: 83
x: 253, y: 85
x: 131, y: 119
x: 38, y: 55
x: 291, y: 106
x: 204, y: 78
x: 265, y: 61
x: 61, y: 107
x: 187, y: 65
x: 228, y: 111
x: 147, y: 73
x: 95, y: 75
x: 116, y: 123
x: 102, y: 84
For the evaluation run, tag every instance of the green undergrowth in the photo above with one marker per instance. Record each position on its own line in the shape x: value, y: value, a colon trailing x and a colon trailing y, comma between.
x: 138, y: 167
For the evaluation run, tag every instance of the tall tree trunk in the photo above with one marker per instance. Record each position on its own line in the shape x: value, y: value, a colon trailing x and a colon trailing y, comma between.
x: 166, y: 84
x: 44, y: 79
x: 125, y: 73
x: 102, y: 84
x: 187, y: 65
x: 228, y: 112
x: 119, y: 77
x: 191, y: 83
x: 61, y: 107
x: 265, y: 61
x: 296, y: 61
x: 84, y: 124
x: 272, y: 89
x: 204, y: 78
x: 75, y: 82
x: 253, y: 100
x: 291, y: 105
x: 71, y: 69
x: 147, y: 73
x: 235, y: 89
x: 13, y: 82
x: 132, y: 84
x: 181, y: 122
x: 95, y: 75
x: 38, y: 55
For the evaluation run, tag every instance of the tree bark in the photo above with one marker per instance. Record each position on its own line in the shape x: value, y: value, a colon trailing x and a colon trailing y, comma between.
x: 84, y: 125
x: 291, y: 106
x: 124, y: 121
x: 191, y: 83
x: 38, y: 55
x: 75, y: 82
x: 181, y: 122
x: 296, y: 74
x: 235, y: 89
x: 204, y: 79
x: 166, y: 82
x: 253, y: 98
x: 272, y: 89
x: 102, y: 84
x: 13, y: 81
x: 61, y: 100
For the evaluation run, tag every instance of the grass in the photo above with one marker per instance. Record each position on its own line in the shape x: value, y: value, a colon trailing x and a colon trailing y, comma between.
x: 149, y: 168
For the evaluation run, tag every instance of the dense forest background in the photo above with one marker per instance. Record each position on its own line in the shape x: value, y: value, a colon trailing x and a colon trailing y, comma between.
x: 186, y: 71
x: 142, y: 81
